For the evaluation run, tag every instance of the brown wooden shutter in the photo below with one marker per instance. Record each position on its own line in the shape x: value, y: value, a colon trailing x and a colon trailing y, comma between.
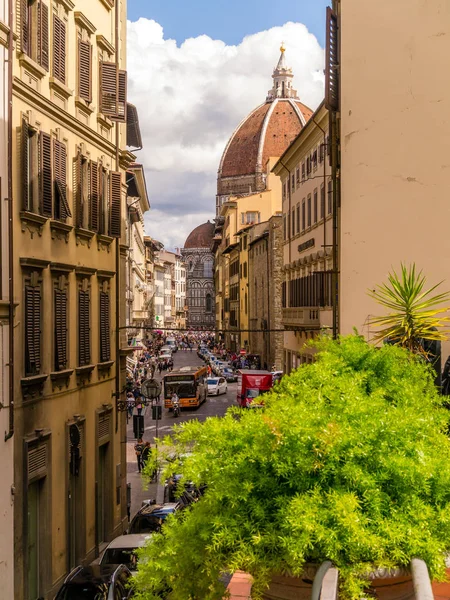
x: 59, y: 49
x: 105, y: 342
x: 42, y: 35
x: 84, y: 70
x: 77, y: 191
x: 45, y: 174
x: 122, y: 97
x: 115, y: 189
x: 25, y: 141
x: 93, y: 196
x: 62, y: 209
x: 108, y: 89
x: 84, y: 352
x: 332, y: 62
x: 60, y: 329
x: 24, y: 27
x: 32, y: 329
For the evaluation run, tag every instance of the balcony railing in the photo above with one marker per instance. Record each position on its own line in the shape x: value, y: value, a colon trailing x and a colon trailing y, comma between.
x: 301, y: 317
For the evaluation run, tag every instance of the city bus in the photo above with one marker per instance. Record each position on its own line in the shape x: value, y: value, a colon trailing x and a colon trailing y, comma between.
x: 189, y: 384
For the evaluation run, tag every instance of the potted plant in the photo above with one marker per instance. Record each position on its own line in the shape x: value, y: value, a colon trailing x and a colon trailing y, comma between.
x: 348, y: 462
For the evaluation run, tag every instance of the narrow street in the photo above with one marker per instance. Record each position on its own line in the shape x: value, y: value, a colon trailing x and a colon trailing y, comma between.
x: 214, y: 406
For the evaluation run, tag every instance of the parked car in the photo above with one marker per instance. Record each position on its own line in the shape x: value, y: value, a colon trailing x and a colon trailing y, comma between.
x: 122, y: 550
x: 166, y: 350
x: 229, y: 374
x: 97, y: 582
x: 216, y: 386
x: 150, y: 517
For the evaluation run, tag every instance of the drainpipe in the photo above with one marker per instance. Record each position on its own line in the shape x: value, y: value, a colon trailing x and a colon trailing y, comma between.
x: 10, y: 230
x: 117, y: 394
x: 334, y: 178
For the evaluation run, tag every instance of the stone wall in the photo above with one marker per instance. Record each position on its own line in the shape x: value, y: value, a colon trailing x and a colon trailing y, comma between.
x: 265, y: 277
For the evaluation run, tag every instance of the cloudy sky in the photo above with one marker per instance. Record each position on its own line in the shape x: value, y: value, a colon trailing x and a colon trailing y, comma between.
x: 194, y: 76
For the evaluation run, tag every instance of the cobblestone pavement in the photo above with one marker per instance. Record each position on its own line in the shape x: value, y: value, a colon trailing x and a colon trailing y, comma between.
x: 214, y: 406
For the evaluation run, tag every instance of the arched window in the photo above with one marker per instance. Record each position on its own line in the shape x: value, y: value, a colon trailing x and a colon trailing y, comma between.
x: 208, y: 301
x: 208, y: 268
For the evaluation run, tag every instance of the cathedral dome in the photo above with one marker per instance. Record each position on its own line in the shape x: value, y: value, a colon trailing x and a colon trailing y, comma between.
x: 201, y: 236
x: 267, y: 131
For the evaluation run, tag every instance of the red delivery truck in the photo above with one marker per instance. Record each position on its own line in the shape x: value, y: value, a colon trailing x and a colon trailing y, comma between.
x: 251, y: 384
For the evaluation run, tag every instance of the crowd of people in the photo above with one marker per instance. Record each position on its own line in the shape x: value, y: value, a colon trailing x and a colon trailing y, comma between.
x: 151, y: 360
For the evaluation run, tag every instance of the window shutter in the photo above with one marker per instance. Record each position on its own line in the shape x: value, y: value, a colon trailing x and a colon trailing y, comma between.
x: 77, y: 191
x: 108, y: 89
x: 42, y: 35
x: 25, y: 166
x: 59, y: 49
x: 115, y: 183
x: 84, y: 70
x: 84, y: 353
x: 62, y: 209
x: 105, y: 342
x: 24, y: 27
x: 45, y: 174
x: 122, y: 97
x: 33, y: 329
x: 93, y: 196
x: 60, y: 330
x: 331, y: 62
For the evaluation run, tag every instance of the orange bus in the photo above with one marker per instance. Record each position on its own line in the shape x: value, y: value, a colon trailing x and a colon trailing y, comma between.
x: 189, y: 384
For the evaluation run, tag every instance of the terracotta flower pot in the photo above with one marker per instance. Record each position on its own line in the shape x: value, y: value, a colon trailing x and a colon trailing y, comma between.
x: 385, y: 585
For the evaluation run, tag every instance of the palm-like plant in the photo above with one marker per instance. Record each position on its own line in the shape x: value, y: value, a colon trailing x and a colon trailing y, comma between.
x: 414, y: 311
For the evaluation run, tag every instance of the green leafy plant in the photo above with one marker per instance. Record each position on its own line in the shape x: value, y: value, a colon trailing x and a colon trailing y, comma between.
x: 348, y: 461
x: 414, y: 310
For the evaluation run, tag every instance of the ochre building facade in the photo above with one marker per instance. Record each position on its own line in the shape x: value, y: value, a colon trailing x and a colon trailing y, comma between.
x: 69, y: 270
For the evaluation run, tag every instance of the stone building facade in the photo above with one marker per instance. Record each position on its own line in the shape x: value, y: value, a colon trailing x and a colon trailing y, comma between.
x: 265, y: 261
x: 6, y: 317
x: 199, y: 261
x: 305, y: 173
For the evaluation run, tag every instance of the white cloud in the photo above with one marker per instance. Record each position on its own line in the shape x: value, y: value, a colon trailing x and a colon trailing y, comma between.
x: 191, y: 97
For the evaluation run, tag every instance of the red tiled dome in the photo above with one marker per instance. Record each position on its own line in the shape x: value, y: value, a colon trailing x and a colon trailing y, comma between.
x: 201, y: 236
x: 266, y: 132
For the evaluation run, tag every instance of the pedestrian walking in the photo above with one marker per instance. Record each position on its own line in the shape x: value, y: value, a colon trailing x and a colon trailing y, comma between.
x: 139, y: 447
x: 130, y: 403
x: 145, y: 453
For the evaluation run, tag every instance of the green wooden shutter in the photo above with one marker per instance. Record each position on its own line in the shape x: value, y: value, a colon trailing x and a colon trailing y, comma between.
x: 84, y: 70
x: 42, y: 35
x: 45, y: 174
x: 32, y: 329
x: 60, y: 329
x: 25, y: 141
x: 109, y: 89
x: 93, y: 195
x: 105, y: 339
x: 115, y: 189
x: 84, y: 337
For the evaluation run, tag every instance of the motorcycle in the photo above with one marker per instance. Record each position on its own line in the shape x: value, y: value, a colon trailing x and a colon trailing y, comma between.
x: 176, y: 409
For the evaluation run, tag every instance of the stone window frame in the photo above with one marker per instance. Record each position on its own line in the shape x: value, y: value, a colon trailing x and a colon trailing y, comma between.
x: 38, y: 439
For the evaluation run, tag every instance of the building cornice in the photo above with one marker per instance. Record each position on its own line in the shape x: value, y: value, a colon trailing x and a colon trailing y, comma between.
x: 36, y: 100
x: 4, y: 32
x: 84, y: 22
x: 103, y: 43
